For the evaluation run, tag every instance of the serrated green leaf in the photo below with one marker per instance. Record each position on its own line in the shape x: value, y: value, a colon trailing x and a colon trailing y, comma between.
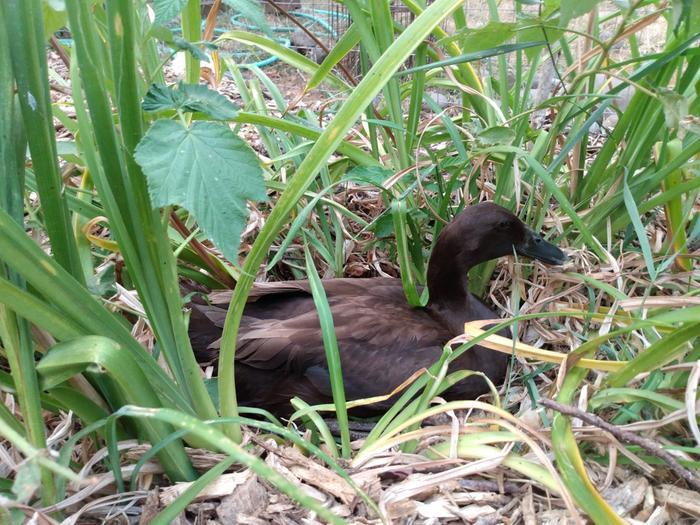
x: 533, y: 29
x: 161, y: 97
x: 570, y: 10
x: 383, y: 226
x: 27, y: 481
x: 54, y: 15
x: 166, y: 10
x: 207, y: 169
x: 189, y: 97
x: 184, y: 45
x: 497, y: 135
x: 374, y: 175
x: 162, y: 33
x: 675, y: 107
x: 491, y: 35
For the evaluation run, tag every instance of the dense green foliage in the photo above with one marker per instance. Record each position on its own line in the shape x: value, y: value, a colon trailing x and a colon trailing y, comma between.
x: 163, y: 173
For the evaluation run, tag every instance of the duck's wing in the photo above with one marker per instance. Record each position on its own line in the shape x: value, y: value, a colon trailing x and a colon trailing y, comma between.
x: 262, y: 289
x: 287, y: 300
x: 382, y: 339
x: 379, y: 349
x: 208, y: 314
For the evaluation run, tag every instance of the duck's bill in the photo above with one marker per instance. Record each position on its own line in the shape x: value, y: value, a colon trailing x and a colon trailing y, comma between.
x: 536, y: 247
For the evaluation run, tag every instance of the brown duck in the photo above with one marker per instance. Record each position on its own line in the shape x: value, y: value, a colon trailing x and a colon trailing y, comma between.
x: 382, y: 339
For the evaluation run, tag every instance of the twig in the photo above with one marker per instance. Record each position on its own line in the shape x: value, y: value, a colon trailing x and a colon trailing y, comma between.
x: 628, y: 437
x: 483, y: 485
x: 56, y: 45
x: 60, y: 89
x: 202, y: 251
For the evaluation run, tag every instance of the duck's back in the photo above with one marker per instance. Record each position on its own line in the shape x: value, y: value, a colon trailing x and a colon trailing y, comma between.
x: 280, y: 352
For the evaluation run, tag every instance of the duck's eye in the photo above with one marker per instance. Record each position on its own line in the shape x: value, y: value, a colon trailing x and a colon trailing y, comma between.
x: 503, y: 225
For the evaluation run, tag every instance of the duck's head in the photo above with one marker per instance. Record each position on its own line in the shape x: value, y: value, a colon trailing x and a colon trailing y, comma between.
x: 487, y: 231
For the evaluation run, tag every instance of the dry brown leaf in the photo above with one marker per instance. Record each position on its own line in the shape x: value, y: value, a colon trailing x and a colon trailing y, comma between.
x: 627, y: 497
x: 221, y: 486
x: 658, y: 517
x: 527, y: 506
x: 686, y: 501
x: 555, y: 517
x: 150, y: 507
x: 317, y: 475
x: 246, y: 501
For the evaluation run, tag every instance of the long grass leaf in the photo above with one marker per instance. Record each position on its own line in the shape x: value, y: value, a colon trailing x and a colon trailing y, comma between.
x: 658, y: 354
x: 173, y: 509
x: 471, y: 57
x: 398, y: 213
x: 639, y: 230
x: 24, y: 28
x: 570, y: 463
x: 217, y: 440
x: 326, y: 144
x: 66, y: 359
x: 345, y: 44
x: 15, y: 332
x: 330, y: 344
x: 287, y: 55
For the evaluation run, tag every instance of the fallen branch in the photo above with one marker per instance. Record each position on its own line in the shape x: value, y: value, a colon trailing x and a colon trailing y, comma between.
x: 628, y: 437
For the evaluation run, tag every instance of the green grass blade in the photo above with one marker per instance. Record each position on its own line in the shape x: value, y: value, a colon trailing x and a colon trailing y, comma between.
x: 345, y: 44
x: 81, y: 308
x: 658, y: 354
x: 570, y: 463
x: 285, y: 54
x: 639, y: 229
x: 34, y: 454
x: 37, y: 311
x: 674, y: 206
x: 398, y: 213
x: 24, y: 30
x: 164, y: 305
x: 312, y: 419
x: 217, y: 440
x: 330, y: 344
x: 67, y: 359
x: 354, y: 153
x: 15, y: 333
x: 191, y: 23
x: 326, y: 144
x: 471, y: 57
x: 136, y: 226
x: 170, y: 513
x: 611, y: 396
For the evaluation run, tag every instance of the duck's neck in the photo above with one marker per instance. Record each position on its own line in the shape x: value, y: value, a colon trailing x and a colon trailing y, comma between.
x: 448, y: 281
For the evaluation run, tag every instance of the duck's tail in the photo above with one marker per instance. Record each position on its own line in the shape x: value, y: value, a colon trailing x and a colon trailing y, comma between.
x: 206, y: 321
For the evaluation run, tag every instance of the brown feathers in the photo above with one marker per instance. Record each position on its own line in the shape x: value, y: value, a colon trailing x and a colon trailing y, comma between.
x: 382, y: 339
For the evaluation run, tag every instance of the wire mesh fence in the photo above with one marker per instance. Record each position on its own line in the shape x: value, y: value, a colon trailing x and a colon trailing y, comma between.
x: 312, y: 27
